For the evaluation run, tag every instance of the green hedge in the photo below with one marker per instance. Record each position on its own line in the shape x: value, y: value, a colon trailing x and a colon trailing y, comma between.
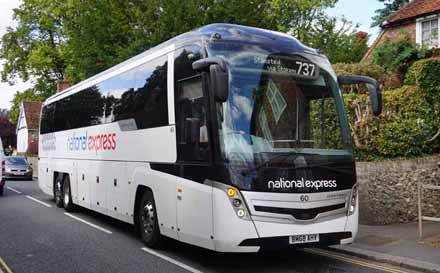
x: 385, y: 79
x: 408, y: 121
x: 426, y: 74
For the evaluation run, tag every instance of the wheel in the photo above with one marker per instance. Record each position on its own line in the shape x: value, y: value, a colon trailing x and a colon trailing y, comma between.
x: 58, y: 191
x: 1, y: 190
x: 148, y: 225
x: 67, y: 195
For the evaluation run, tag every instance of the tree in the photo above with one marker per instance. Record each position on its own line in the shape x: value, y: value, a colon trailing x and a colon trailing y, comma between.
x: 299, y: 18
x: 56, y: 39
x: 7, y: 132
x: 390, y: 6
x: 19, y: 97
x: 340, y: 41
x: 34, y: 47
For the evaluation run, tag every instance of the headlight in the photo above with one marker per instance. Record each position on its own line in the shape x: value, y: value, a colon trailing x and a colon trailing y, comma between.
x: 352, y: 201
x: 234, y: 196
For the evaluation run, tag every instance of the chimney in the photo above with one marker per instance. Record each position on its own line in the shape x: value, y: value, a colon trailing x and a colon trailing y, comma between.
x: 62, y: 84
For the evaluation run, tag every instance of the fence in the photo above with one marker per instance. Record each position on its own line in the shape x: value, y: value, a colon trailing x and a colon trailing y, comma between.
x: 420, y: 189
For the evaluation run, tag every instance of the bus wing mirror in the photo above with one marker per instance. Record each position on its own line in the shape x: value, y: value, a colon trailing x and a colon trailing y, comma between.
x: 372, y: 86
x: 218, y: 73
x: 204, y: 64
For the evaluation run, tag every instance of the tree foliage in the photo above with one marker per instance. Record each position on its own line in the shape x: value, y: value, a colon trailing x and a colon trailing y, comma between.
x: 397, y: 56
x: 19, y: 97
x: 390, y: 6
x: 56, y: 39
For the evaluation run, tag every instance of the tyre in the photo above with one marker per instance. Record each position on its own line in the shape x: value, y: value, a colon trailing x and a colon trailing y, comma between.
x: 58, y: 191
x: 148, y: 225
x: 1, y: 190
x: 67, y: 195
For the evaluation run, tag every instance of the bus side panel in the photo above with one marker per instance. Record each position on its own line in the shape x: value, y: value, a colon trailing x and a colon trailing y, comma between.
x: 98, y: 186
x: 83, y: 184
x: 44, y: 181
x: 61, y: 166
x: 194, y: 213
x: 164, y: 188
x: 117, y: 191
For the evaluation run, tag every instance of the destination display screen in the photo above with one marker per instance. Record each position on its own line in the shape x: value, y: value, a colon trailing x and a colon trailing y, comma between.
x: 279, y: 64
x: 247, y: 57
x: 286, y: 65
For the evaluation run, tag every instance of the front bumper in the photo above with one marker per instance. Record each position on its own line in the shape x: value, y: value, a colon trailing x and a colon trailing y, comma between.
x: 11, y: 175
x: 282, y: 242
x: 261, y: 233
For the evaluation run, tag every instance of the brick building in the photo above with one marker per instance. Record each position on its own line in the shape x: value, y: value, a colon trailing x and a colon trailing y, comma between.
x: 419, y: 19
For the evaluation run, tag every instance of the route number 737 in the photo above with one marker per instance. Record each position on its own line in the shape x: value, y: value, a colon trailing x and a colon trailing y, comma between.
x: 306, y: 69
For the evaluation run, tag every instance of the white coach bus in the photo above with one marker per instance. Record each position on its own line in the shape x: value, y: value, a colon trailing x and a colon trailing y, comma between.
x: 231, y: 138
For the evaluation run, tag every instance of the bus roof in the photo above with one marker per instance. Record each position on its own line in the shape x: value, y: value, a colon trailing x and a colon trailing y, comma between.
x: 228, y: 32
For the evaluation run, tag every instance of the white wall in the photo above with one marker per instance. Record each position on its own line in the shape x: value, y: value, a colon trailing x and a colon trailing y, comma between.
x: 22, y: 140
x: 22, y: 132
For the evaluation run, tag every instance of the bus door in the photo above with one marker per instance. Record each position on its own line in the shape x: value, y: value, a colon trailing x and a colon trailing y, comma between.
x: 194, y: 199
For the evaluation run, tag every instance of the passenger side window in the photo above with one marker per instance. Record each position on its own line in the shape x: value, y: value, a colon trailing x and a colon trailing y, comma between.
x: 191, y: 108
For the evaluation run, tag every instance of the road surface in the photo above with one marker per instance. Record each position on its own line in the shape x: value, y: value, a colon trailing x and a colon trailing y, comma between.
x: 36, y: 236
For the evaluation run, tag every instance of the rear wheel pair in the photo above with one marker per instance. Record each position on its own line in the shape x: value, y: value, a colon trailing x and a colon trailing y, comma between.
x: 62, y: 193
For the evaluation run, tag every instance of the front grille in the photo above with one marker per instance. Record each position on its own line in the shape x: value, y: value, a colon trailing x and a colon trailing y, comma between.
x: 300, y: 214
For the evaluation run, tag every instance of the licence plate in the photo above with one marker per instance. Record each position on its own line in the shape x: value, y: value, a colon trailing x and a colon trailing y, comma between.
x: 301, y: 239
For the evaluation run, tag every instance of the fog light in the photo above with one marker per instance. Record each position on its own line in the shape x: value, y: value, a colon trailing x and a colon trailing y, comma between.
x: 236, y: 202
x: 241, y: 213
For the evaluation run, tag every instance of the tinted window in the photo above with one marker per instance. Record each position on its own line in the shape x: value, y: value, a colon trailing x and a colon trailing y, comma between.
x: 139, y: 94
x: 47, y: 119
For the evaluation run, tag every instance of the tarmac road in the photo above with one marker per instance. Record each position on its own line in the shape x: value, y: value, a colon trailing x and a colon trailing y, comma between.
x: 36, y: 236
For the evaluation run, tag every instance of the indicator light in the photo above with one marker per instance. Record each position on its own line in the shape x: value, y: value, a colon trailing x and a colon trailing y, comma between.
x: 231, y: 192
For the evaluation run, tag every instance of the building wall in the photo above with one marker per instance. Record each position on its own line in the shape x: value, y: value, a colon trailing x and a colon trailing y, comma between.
x: 388, y: 189
x: 22, y: 140
x: 32, y: 142
x: 394, y: 33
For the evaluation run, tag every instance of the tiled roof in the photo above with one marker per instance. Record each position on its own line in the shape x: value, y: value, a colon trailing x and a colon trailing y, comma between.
x: 32, y: 113
x: 415, y: 8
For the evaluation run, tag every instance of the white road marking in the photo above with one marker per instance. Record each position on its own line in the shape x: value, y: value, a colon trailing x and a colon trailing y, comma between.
x: 171, y: 260
x: 14, y: 190
x: 38, y: 201
x: 88, y: 223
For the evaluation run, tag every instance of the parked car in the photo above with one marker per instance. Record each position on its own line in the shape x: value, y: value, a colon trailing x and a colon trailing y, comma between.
x: 2, y: 173
x: 18, y: 167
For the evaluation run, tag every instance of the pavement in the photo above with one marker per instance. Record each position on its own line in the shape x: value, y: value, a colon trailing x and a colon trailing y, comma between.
x: 36, y: 236
x: 399, y: 244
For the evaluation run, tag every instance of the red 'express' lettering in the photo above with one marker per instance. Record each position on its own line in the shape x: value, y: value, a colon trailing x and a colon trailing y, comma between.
x: 102, y: 142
